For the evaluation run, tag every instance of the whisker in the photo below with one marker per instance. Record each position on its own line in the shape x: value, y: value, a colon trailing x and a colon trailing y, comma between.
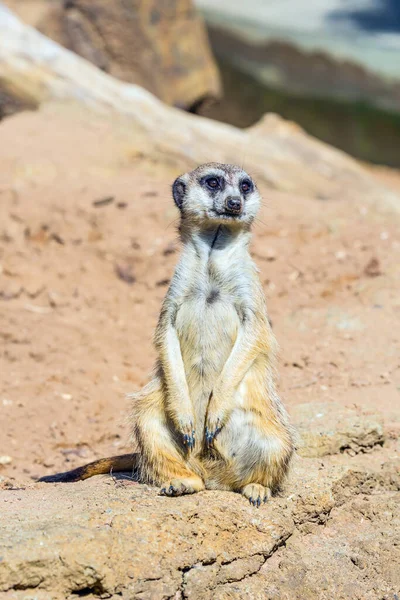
x: 257, y: 221
x: 173, y: 222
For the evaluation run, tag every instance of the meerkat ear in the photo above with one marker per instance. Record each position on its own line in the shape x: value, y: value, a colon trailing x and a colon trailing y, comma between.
x: 179, y: 191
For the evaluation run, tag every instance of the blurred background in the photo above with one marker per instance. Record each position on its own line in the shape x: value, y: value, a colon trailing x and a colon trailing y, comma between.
x: 332, y: 66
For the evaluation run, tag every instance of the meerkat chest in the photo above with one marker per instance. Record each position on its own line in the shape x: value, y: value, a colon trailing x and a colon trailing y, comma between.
x: 208, y: 320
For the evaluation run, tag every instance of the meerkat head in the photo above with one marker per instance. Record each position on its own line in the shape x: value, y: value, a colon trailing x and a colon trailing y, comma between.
x: 217, y: 193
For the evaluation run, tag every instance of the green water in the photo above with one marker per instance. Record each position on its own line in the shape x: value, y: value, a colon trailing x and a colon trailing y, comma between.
x: 363, y: 131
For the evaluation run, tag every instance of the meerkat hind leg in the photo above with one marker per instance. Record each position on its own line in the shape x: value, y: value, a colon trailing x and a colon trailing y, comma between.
x: 162, y: 463
x: 256, y: 439
x: 166, y: 467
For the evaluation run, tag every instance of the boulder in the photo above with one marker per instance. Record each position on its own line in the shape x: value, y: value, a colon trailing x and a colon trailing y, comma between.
x: 108, y: 536
x: 325, y: 428
x: 163, y: 48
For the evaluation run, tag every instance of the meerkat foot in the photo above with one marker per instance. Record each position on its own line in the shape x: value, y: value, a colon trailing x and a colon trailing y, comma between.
x: 256, y: 493
x: 181, y: 486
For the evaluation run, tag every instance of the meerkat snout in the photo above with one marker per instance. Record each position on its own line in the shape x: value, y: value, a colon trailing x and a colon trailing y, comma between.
x: 233, y: 204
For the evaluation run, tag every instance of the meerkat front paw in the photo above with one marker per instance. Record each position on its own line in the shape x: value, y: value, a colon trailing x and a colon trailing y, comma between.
x: 217, y: 416
x: 212, y: 429
x: 186, y: 428
x: 256, y: 493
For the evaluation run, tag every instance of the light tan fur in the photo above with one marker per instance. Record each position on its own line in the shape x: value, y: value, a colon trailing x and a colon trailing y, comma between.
x: 210, y: 416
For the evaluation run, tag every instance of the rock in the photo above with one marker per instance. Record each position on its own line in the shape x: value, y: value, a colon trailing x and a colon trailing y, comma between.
x: 125, y: 273
x: 5, y: 460
x: 10, y: 104
x: 326, y: 429
x: 130, y: 539
x: 342, y: 560
x: 373, y: 268
x: 163, y: 49
x: 99, y: 538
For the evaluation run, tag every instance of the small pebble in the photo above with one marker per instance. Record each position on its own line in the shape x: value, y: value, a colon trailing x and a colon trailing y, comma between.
x: 341, y: 255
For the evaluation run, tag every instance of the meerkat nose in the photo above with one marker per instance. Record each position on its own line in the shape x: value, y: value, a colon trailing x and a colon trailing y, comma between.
x: 233, y: 204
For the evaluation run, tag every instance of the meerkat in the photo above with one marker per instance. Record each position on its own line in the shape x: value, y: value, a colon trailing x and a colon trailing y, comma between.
x: 210, y: 418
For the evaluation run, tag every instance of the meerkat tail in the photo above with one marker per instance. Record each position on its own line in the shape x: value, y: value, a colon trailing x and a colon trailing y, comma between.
x: 124, y: 462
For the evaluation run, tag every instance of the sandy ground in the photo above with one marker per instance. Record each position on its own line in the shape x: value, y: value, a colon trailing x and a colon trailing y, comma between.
x: 88, y: 244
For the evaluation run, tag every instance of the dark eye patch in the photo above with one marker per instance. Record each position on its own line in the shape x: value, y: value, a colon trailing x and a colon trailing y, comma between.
x: 246, y: 186
x: 213, y: 183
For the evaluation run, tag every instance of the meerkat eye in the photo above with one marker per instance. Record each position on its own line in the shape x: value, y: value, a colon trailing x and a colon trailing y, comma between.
x: 246, y: 186
x: 212, y: 183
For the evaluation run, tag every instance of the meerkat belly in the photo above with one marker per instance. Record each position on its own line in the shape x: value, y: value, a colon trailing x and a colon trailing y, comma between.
x: 207, y: 326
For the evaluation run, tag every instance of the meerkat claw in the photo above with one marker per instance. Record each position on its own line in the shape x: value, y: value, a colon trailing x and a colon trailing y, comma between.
x: 189, y: 440
x: 256, y: 502
x: 188, y: 433
x: 208, y: 437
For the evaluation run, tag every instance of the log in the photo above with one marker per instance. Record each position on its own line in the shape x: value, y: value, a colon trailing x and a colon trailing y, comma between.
x: 278, y: 153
